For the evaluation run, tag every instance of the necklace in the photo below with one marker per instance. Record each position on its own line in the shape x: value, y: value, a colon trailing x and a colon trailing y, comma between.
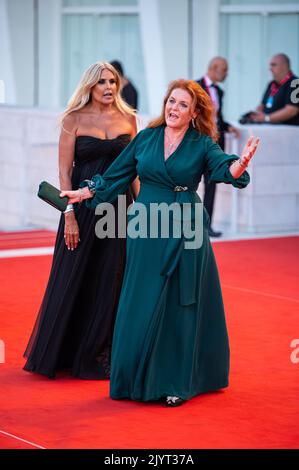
x: 170, y: 147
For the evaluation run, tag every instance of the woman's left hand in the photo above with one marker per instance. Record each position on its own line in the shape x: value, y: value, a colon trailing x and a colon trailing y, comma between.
x: 249, y: 150
x: 74, y: 196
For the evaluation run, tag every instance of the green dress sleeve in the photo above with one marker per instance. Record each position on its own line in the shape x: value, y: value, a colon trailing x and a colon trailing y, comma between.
x: 218, y: 163
x: 117, y: 178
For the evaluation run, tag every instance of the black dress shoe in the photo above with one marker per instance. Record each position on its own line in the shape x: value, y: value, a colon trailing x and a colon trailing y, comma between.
x: 213, y: 233
x: 174, y: 401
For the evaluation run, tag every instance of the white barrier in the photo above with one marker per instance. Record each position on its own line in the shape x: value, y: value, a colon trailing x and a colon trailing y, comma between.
x: 29, y: 152
x: 270, y: 203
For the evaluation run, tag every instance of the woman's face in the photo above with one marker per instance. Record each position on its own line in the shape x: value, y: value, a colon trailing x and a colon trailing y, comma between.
x: 105, y: 90
x: 178, y: 109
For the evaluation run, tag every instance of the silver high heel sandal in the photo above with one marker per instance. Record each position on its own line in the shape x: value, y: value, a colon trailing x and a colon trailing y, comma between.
x: 174, y: 401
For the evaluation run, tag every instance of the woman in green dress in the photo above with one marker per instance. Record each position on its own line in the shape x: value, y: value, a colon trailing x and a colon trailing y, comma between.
x: 170, y: 339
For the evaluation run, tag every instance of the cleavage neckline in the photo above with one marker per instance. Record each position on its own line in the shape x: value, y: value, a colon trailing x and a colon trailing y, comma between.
x: 99, y: 138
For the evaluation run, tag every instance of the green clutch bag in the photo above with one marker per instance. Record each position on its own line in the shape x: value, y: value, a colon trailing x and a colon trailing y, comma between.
x: 50, y: 194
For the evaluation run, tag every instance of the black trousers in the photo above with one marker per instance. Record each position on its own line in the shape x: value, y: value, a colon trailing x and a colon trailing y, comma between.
x: 210, y: 187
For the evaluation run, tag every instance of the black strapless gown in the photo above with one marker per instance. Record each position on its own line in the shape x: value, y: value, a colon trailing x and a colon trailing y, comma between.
x: 74, y: 327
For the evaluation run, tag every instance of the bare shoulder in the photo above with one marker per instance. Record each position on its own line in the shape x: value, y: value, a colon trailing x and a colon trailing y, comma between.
x: 132, y: 121
x: 70, y: 123
x: 124, y: 123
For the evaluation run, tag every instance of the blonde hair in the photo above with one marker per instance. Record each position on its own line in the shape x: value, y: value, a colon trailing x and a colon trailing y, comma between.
x: 205, y: 121
x: 89, y: 79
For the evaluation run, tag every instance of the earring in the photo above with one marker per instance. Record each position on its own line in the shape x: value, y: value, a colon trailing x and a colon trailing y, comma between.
x: 193, y: 122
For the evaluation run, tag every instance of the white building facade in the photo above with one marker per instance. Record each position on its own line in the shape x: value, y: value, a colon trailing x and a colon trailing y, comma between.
x: 45, y: 45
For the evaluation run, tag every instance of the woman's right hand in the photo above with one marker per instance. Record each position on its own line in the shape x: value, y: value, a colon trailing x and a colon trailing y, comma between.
x: 78, y: 195
x: 71, y: 231
x: 73, y: 196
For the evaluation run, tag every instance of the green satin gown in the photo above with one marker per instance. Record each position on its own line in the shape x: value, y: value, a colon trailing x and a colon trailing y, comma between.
x: 170, y: 335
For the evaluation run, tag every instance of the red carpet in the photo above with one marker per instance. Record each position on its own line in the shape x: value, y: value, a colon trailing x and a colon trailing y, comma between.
x: 28, y: 239
x: 260, y: 409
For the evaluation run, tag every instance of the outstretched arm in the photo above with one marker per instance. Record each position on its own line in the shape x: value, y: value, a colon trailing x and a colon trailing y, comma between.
x: 238, y: 167
x: 115, y: 181
x: 226, y: 168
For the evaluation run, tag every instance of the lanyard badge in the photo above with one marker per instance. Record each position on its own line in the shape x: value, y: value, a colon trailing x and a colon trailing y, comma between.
x: 269, y: 102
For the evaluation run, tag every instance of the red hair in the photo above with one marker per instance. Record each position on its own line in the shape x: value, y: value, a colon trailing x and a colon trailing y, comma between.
x: 205, y: 121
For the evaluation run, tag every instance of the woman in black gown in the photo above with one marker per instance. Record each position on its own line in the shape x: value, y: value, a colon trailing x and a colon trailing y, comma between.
x: 73, y: 330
